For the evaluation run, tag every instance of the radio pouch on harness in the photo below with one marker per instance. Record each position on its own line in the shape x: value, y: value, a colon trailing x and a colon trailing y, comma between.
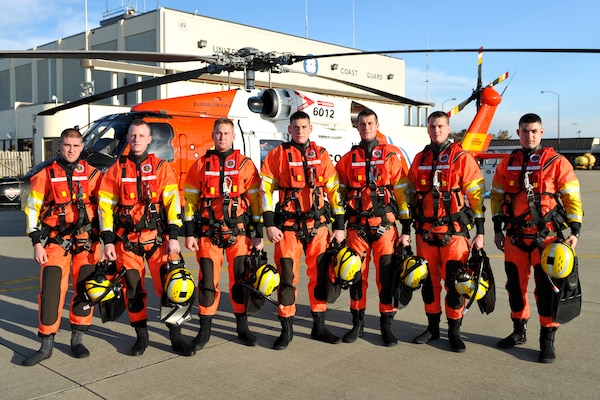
x: 566, y: 304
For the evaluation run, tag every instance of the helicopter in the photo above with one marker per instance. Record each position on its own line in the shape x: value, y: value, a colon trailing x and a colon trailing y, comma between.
x: 181, y: 126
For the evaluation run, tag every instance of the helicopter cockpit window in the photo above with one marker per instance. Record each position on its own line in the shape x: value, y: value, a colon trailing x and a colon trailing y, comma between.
x: 162, y: 139
x: 104, y: 142
x: 266, y: 146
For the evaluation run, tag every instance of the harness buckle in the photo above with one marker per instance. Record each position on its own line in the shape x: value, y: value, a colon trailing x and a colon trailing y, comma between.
x: 380, y: 230
x: 66, y: 244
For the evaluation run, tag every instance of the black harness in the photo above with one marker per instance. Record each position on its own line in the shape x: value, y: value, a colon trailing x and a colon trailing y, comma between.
x: 465, y: 217
x: 514, y: 225
x: 66, y: 235
x: 152, y: 218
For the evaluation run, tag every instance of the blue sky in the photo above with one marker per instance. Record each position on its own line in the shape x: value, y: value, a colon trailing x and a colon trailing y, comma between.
x: 397, y: 24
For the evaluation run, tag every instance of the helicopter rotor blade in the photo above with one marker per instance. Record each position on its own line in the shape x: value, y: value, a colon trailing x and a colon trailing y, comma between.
x: 499, y: 79
x: 180, y: 76
x: 105, y: 55
x: 387, y: 95
x: 458, y: 108
x: 411, y: 51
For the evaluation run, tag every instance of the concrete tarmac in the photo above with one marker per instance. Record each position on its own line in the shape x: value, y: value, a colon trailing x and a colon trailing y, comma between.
x: 307, y: 369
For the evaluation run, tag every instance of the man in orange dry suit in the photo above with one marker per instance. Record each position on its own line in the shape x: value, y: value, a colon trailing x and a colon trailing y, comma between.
x: 441, y: 177
x: 370, y: 184
x: 222, y: 208
x: 304, y: 175
x: 140, y: 217
x: 61, y: 209
x: 534, y: 196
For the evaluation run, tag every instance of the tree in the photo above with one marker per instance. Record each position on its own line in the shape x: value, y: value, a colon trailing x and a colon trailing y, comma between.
x: 502, y: 135
x: 457, y: 137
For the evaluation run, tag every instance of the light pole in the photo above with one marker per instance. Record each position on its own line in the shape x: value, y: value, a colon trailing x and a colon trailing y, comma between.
x: 444, y: 102
x: 558, y: 115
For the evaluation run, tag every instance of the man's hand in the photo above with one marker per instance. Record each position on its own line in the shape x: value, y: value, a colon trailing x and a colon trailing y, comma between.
x: 478, y: 242
x: 338, y: 235
x: 572, y: 241
x: 109, y: 253
x: 499, y: 239
x: 403, y: 241
x: 274, y: 234
x: 191, y: 243
x: 173, y: 247
x: 258, y: 243
x: 39, y: 254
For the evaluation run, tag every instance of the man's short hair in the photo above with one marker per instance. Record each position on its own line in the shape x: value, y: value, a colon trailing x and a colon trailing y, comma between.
x: 299, y: 115
x: 70, y: 133
x: 439, y: 114
x: 530, y: 118
x: 366, y: 112
x: 222, y: 120
x: 139, y: 122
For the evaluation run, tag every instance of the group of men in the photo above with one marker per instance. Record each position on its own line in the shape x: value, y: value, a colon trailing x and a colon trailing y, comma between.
x: 371, y: 199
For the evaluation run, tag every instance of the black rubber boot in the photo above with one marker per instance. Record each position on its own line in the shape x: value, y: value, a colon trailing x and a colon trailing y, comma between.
x: 456, y: 343
x: 245, y: 335
x: 320, y: 332
x: 287, y: 333
x: 178, y: 343
x: 141, y: 343
x: 432, y: 332
x: 518, y: 336
x: 547, y: 353
x: 77, y: 347
x: 358, y: 326
x: 204, y: 333
x: 385, y: 321
x: 43, y: 353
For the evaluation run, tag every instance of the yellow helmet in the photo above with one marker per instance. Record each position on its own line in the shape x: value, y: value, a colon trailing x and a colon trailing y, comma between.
x: 347, y: 265
x: 266, y: 279
x: 558, y: 259
x: 99, y: 288
x: 466, y: 282
x: 179, y: 285
x: 414, y: 271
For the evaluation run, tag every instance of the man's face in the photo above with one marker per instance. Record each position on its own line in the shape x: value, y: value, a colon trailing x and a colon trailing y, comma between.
x: 300, y: 130
x: 223, y: 137
x: 367, y: 127
x: 530, y: 134
x: 70, y: 148
x: 438, y: 130
x: 139, y: 138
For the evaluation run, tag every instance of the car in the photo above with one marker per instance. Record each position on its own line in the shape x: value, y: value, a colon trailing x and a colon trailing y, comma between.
x: 10, y: 192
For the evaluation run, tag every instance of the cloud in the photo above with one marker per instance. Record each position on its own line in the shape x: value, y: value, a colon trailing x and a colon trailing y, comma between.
x: 36, y: 22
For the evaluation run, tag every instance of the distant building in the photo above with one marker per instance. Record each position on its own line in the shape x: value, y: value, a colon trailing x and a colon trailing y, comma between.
x: 569, y: 147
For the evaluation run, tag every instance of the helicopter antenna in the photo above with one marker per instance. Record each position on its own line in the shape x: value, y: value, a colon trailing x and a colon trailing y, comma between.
x: 306, y: 16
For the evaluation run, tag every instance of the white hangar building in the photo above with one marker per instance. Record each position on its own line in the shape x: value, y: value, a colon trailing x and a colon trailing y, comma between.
x: 28, y: 86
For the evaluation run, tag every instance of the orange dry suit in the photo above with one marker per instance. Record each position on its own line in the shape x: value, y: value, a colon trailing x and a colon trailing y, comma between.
x: 308, y: 184
x: 448, y: 190
x: 139, y: 212
x: 222, y: 209
x: 370, y: 184
x: 534, y: 196
x: 61, y: 210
